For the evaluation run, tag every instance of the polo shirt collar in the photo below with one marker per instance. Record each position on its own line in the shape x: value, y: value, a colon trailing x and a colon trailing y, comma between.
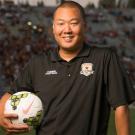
x: 83, y: 53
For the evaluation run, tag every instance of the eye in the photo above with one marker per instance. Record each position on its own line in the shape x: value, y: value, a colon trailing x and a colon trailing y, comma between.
x: 74, y: 23
x: 60, y: 23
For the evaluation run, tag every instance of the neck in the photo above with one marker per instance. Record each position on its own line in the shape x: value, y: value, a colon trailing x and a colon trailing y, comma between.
x: 69, y: 55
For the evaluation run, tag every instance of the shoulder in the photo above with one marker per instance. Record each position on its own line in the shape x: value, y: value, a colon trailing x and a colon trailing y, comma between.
x: 101, y: 51
x: 44, y: 56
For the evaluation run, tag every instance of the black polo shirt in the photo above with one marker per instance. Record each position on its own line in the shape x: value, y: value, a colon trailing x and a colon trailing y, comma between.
x: 77, y: 95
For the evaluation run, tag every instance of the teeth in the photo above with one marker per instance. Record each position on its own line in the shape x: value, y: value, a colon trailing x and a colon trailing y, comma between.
x: 67, y: 37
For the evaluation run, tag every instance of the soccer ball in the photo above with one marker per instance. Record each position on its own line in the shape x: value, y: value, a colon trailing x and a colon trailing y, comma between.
x: 27, y: 106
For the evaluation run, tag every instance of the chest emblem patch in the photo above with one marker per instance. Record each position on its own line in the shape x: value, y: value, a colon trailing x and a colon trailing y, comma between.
x: 87, y: 69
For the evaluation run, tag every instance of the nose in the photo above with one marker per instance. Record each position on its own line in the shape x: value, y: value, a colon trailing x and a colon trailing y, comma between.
x: 67, y: 29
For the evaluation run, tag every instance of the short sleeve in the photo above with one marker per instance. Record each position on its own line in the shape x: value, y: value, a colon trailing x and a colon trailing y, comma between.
x: 24, y: 79
x: 119, y: 88
x: 1, y: 93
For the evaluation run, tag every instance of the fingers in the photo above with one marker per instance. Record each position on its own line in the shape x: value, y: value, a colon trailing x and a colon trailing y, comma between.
x: 10, y: 116
x: 12, y: 132
x: 17, y: 129
x: 10, y: 128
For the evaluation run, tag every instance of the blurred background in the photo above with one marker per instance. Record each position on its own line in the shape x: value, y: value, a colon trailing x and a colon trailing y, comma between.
x: 26, y: 29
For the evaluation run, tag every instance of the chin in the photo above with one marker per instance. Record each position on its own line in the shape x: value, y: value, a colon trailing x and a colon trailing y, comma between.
x: 70, y: 48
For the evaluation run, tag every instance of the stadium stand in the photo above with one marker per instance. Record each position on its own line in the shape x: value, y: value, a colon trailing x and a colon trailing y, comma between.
x: 26, y: 30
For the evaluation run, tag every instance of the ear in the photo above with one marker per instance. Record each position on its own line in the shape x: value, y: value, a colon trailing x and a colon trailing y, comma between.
x: 53, y: 28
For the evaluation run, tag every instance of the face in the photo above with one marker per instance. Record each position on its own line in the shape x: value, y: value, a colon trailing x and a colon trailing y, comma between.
x: 68, y: 28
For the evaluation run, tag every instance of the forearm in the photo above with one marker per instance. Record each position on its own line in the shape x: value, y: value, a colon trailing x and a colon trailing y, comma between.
x: 122, y: 121
x: 3, y: 101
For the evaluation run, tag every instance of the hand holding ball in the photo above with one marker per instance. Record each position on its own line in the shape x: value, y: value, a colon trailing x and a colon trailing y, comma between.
x: 27, y: 106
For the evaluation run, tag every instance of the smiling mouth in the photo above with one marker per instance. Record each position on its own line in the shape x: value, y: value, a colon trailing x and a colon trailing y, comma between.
x: 68, y: 39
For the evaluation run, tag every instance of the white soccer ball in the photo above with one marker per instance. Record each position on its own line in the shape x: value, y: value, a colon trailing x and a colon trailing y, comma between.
x: 27, y: 106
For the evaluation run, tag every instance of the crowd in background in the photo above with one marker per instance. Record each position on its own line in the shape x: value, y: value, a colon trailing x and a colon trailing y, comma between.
x: 26, y: 30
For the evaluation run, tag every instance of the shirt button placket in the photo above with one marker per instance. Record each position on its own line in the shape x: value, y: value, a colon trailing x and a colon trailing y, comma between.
x: 68, y: 69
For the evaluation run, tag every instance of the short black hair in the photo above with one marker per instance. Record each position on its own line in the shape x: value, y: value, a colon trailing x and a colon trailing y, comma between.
x: 71, y: 4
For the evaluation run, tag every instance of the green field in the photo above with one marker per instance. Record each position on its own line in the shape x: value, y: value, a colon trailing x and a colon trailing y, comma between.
x: 111, y: 128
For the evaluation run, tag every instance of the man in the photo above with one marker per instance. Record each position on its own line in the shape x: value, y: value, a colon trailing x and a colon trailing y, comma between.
x: 78, y: 84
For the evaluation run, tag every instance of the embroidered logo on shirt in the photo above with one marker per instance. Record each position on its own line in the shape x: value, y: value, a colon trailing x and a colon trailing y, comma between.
x: 51, y: 72
x: 87, y: 69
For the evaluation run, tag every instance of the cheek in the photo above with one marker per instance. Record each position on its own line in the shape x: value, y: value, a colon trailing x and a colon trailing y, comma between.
x: 78, y: 31
x: 57, y: 34
x: 57, y: 31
